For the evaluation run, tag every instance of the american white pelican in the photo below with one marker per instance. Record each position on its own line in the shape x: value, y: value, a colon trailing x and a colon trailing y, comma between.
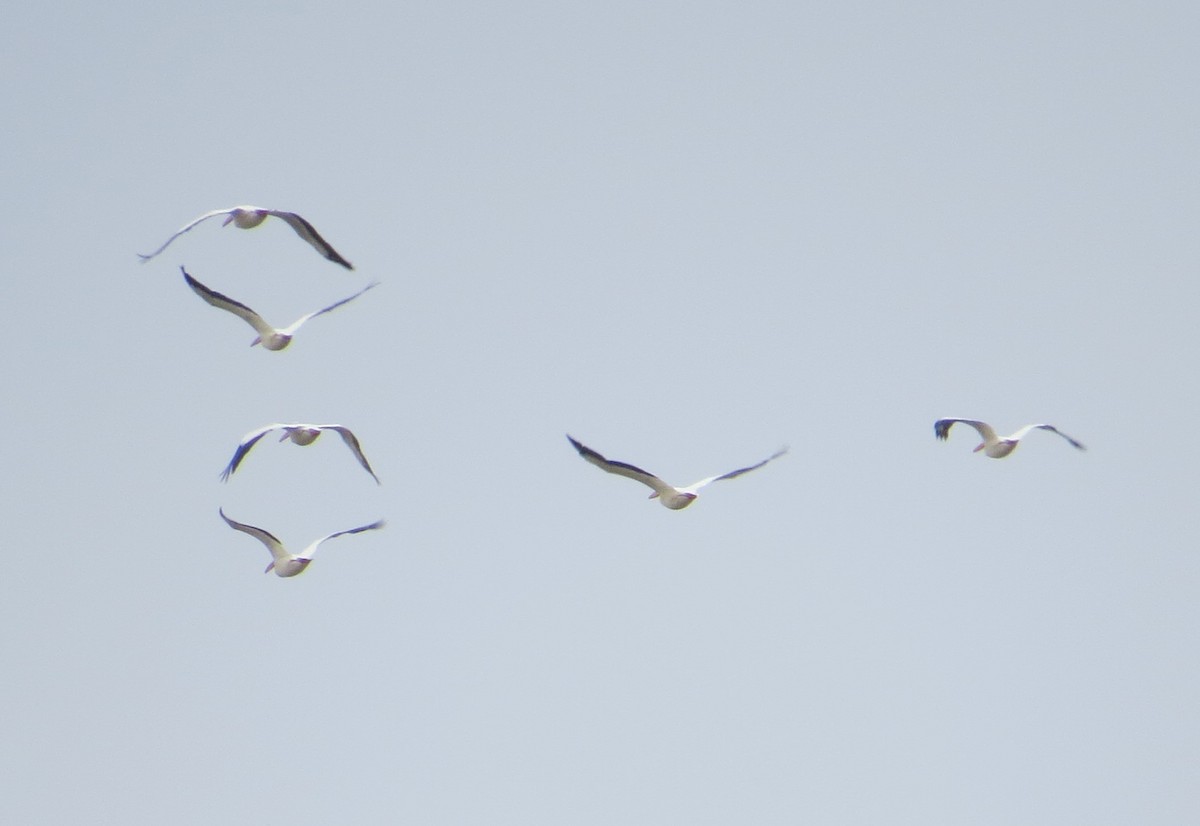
x: 301, y: 434
x: 248, y: 217
x: 670, y: 497
x: 283, y: 563
x: 268, y: 336
x: 997, y: 447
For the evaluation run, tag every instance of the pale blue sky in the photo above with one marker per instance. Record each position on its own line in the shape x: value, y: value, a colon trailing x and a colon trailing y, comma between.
x: 686, y: 234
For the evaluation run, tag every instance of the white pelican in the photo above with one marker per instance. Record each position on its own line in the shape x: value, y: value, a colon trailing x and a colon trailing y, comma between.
x: 248, y: 217
x: 283, y: 563
x: 301, y: 434
x: 997, y: 447
x: 268, y: 336
x: 670, y: 497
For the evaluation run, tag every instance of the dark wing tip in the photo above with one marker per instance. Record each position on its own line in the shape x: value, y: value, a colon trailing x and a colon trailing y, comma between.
x: 585, y: 451
x: 192, y: 282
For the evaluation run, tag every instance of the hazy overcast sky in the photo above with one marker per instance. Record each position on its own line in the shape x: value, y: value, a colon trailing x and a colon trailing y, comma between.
x: 687, y: 234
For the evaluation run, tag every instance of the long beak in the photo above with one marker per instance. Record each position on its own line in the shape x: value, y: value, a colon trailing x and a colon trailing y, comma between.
x: 270, y: 567
x: 228, y: 218
x: 256, y: 341
x: 654, y: 495
x: 981, y: 447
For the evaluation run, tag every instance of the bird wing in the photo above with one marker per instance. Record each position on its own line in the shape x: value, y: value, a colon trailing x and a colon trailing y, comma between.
x: 295, y: 325
x: 224, y: 302
x: 1052, y: 429
x: 268, y: 539
x: 622, y: 469
x: 248, y: 441
x: 352, y: 442
x: 309, y: 233
x: 308, y: 552
x: 184, y: 229
x: 941, y: 429
x: 734, y: 473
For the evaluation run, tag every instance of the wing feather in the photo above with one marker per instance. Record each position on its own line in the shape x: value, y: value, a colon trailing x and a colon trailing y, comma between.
x: 1074, y: 443
x: 941, y: 429
x: 273, y: 545
x: 352, y: 442
x: 309, y: 233
x: 184, y: 229
x: 733, y: 474
x: 224, y: 302
x: 622, y: 469
x: 308, y: 552
x: 248, y: 441
x: 298, y: 322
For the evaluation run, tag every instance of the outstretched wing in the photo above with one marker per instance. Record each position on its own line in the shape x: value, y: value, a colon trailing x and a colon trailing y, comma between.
x: 184, y: 229
x: 248, y: 441
x: 224, y: 302
x: 309, y: 233
x: 273, y: 545
x: 622, y: 469
x: 308, y: 552
x: 1052, y: 429
x: 298, y: 322
x: 941, y: 429
x: 734, y: 473
x: 352, y: 442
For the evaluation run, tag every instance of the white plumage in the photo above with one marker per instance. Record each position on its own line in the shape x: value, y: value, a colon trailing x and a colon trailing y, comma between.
x: 269, y: 337
x: 283, y: 563
x: 997, y: 447
x: 670, y: 497
x: 248, y: 217
x: 301, y: 434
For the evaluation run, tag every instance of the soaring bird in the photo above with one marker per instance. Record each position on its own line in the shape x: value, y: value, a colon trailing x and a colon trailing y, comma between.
x: 670, y: 497
x: 301, y: 434
x: 248, y: 217
x: 268, y: 336
x: 997, y: 447
x: 283, y: 563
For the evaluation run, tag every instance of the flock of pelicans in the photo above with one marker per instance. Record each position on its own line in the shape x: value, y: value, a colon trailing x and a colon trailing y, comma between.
x: 287, y: 564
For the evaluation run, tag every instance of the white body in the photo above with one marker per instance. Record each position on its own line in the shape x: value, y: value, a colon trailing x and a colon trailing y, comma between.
x: 300, y: 434
x: 993, y: 446
x: 283, y: 563
x: 269, y: 337
x: 668, y: 496
x: 249, y: 217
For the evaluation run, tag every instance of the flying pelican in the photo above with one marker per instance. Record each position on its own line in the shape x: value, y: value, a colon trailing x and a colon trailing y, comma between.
x: 669, y: 497
x: 268, y: 336
x: 283, y: 563
x: 997, y: 447
x: 301, y: 434
x: 248, y: 217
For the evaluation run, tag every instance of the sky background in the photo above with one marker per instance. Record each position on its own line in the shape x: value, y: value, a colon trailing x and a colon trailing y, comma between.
x: 687, y: 234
